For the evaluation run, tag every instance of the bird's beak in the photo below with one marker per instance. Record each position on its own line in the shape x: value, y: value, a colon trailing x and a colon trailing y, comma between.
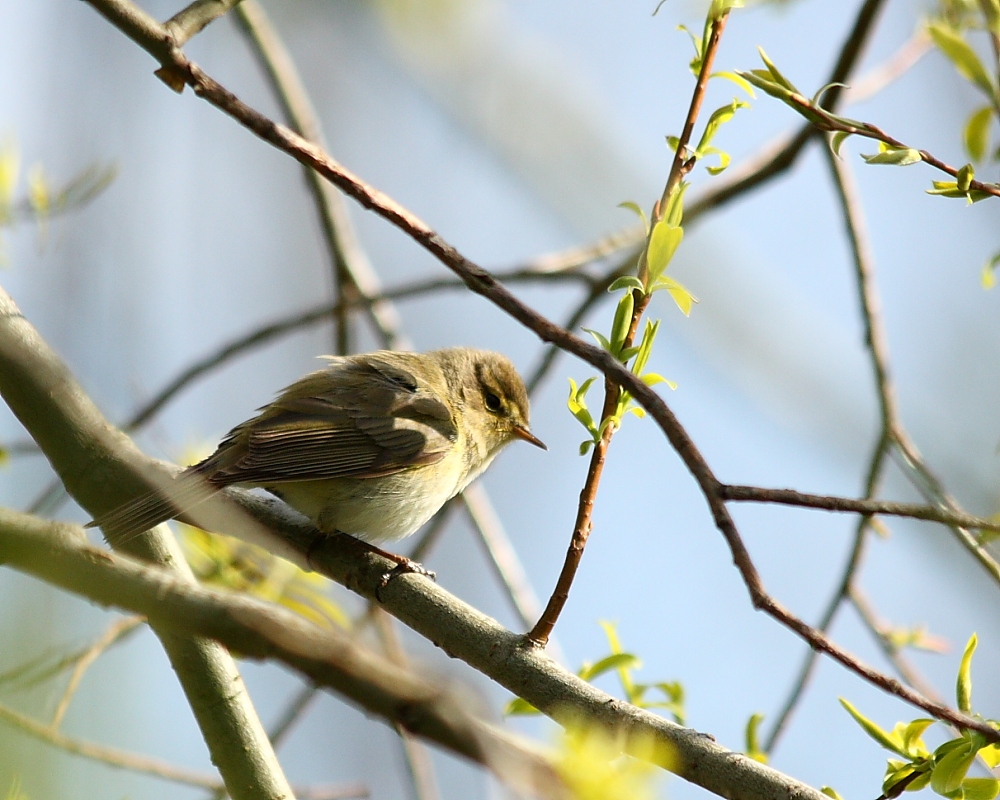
x: 523, y: 433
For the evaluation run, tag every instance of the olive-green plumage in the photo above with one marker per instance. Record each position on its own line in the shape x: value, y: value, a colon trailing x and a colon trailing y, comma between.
x: 372, y: 445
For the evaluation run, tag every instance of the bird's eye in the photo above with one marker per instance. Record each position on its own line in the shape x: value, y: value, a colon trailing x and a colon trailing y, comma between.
x: 492, y: 401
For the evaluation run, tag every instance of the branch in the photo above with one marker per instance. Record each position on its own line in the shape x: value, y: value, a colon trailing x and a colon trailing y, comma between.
x: 61, y: 555
x: 868, y: 506
x: 84, y: 450
x: 682, y: 164
x: 109, y: 756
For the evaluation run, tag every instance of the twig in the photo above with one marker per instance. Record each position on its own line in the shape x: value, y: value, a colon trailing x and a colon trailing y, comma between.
x: 502, y: 555
x: 878, y: 630
x: 293, y: 713
x: 353, y: 275
x: 682, y: 164
x: 784, y: 151
x: 598, y: 292
x: 110, y: 756
x: 899, y: 63
x: 791, y: 497
x: 192, y: 19
x: 419, y: 765
x: 877, y: 342
x: 840, y: 594
x: 123, y: 759
x: 115, y: 632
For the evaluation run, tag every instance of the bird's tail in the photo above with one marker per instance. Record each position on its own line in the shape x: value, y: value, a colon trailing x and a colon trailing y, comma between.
x: 124, y: 523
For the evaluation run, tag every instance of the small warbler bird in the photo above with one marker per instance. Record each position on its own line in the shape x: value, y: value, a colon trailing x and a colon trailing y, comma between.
x: 372, y: 445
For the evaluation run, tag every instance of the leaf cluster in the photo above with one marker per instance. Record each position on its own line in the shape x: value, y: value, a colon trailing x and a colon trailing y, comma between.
x: 890, y: 152
x: 945, y: 770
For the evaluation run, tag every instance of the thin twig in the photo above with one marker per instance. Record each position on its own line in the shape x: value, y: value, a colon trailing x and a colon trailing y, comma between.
x: 115, y: 632
x: 419, y: 765
x: 850, y: 505
x: 110, y: 756
x: 890, y: 70
x: 879, y: 631
x: 777, y: 157
x: 353, y: 275
x: 503, y: 557
x: 193, y: 18
x: 292, y: 714
x: 681, y: 166
x: 841, y: 592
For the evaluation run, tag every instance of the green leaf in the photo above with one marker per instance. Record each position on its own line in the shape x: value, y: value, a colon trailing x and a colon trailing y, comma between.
x: 637, y: 210
x: 919, y: 782
x: 622, y: 322
x: 724, y: 159
x: 977, y: 133
x: 963, y: 687
x: 752, y: 748
x: 980, y: 788
x: 895, y: 773
x: 949, y: 772
x: 829, y: 791
x: 645, y: 346
x: 988, y: 275
x: 611, y: 633
x: 780, y: 79
x: 609, y: 663
x: 684, y: 299
x: 824, y: 89
x: 720, y: 7
x: 585, y: 446
x: 719, y: 117
x: 600, y: 339
x: 950, y: 42
x: 873, y: 730
x: 964, y: 178
x: 951, y: 189
x: 894, y: 156
x: 675, y: 205
x: 739, y: 80
x: 652, y: 379
x: 578, y: 406
x: 837, y: 140
x: 519, y: 707
x: 990, y: 755
x: 663, y: 243
x: 762, y: 79
x: 626, y: 282
x: 911, y: 734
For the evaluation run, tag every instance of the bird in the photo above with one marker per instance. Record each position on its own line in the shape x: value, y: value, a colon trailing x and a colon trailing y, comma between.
x: 372, y: 445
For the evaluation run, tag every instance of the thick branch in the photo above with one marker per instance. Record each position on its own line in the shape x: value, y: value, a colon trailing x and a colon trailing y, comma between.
x: 60, y: 554
x: 100, y: 467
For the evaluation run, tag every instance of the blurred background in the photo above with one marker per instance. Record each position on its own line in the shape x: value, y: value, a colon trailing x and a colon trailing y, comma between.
x: 515, y: 129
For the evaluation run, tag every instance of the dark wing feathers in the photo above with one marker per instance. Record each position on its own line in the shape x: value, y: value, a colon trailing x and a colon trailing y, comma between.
x: 359, y: 418
x: 362, y: 417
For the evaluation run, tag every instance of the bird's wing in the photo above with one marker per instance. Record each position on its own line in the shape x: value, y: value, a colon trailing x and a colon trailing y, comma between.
x: 360, y: 419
